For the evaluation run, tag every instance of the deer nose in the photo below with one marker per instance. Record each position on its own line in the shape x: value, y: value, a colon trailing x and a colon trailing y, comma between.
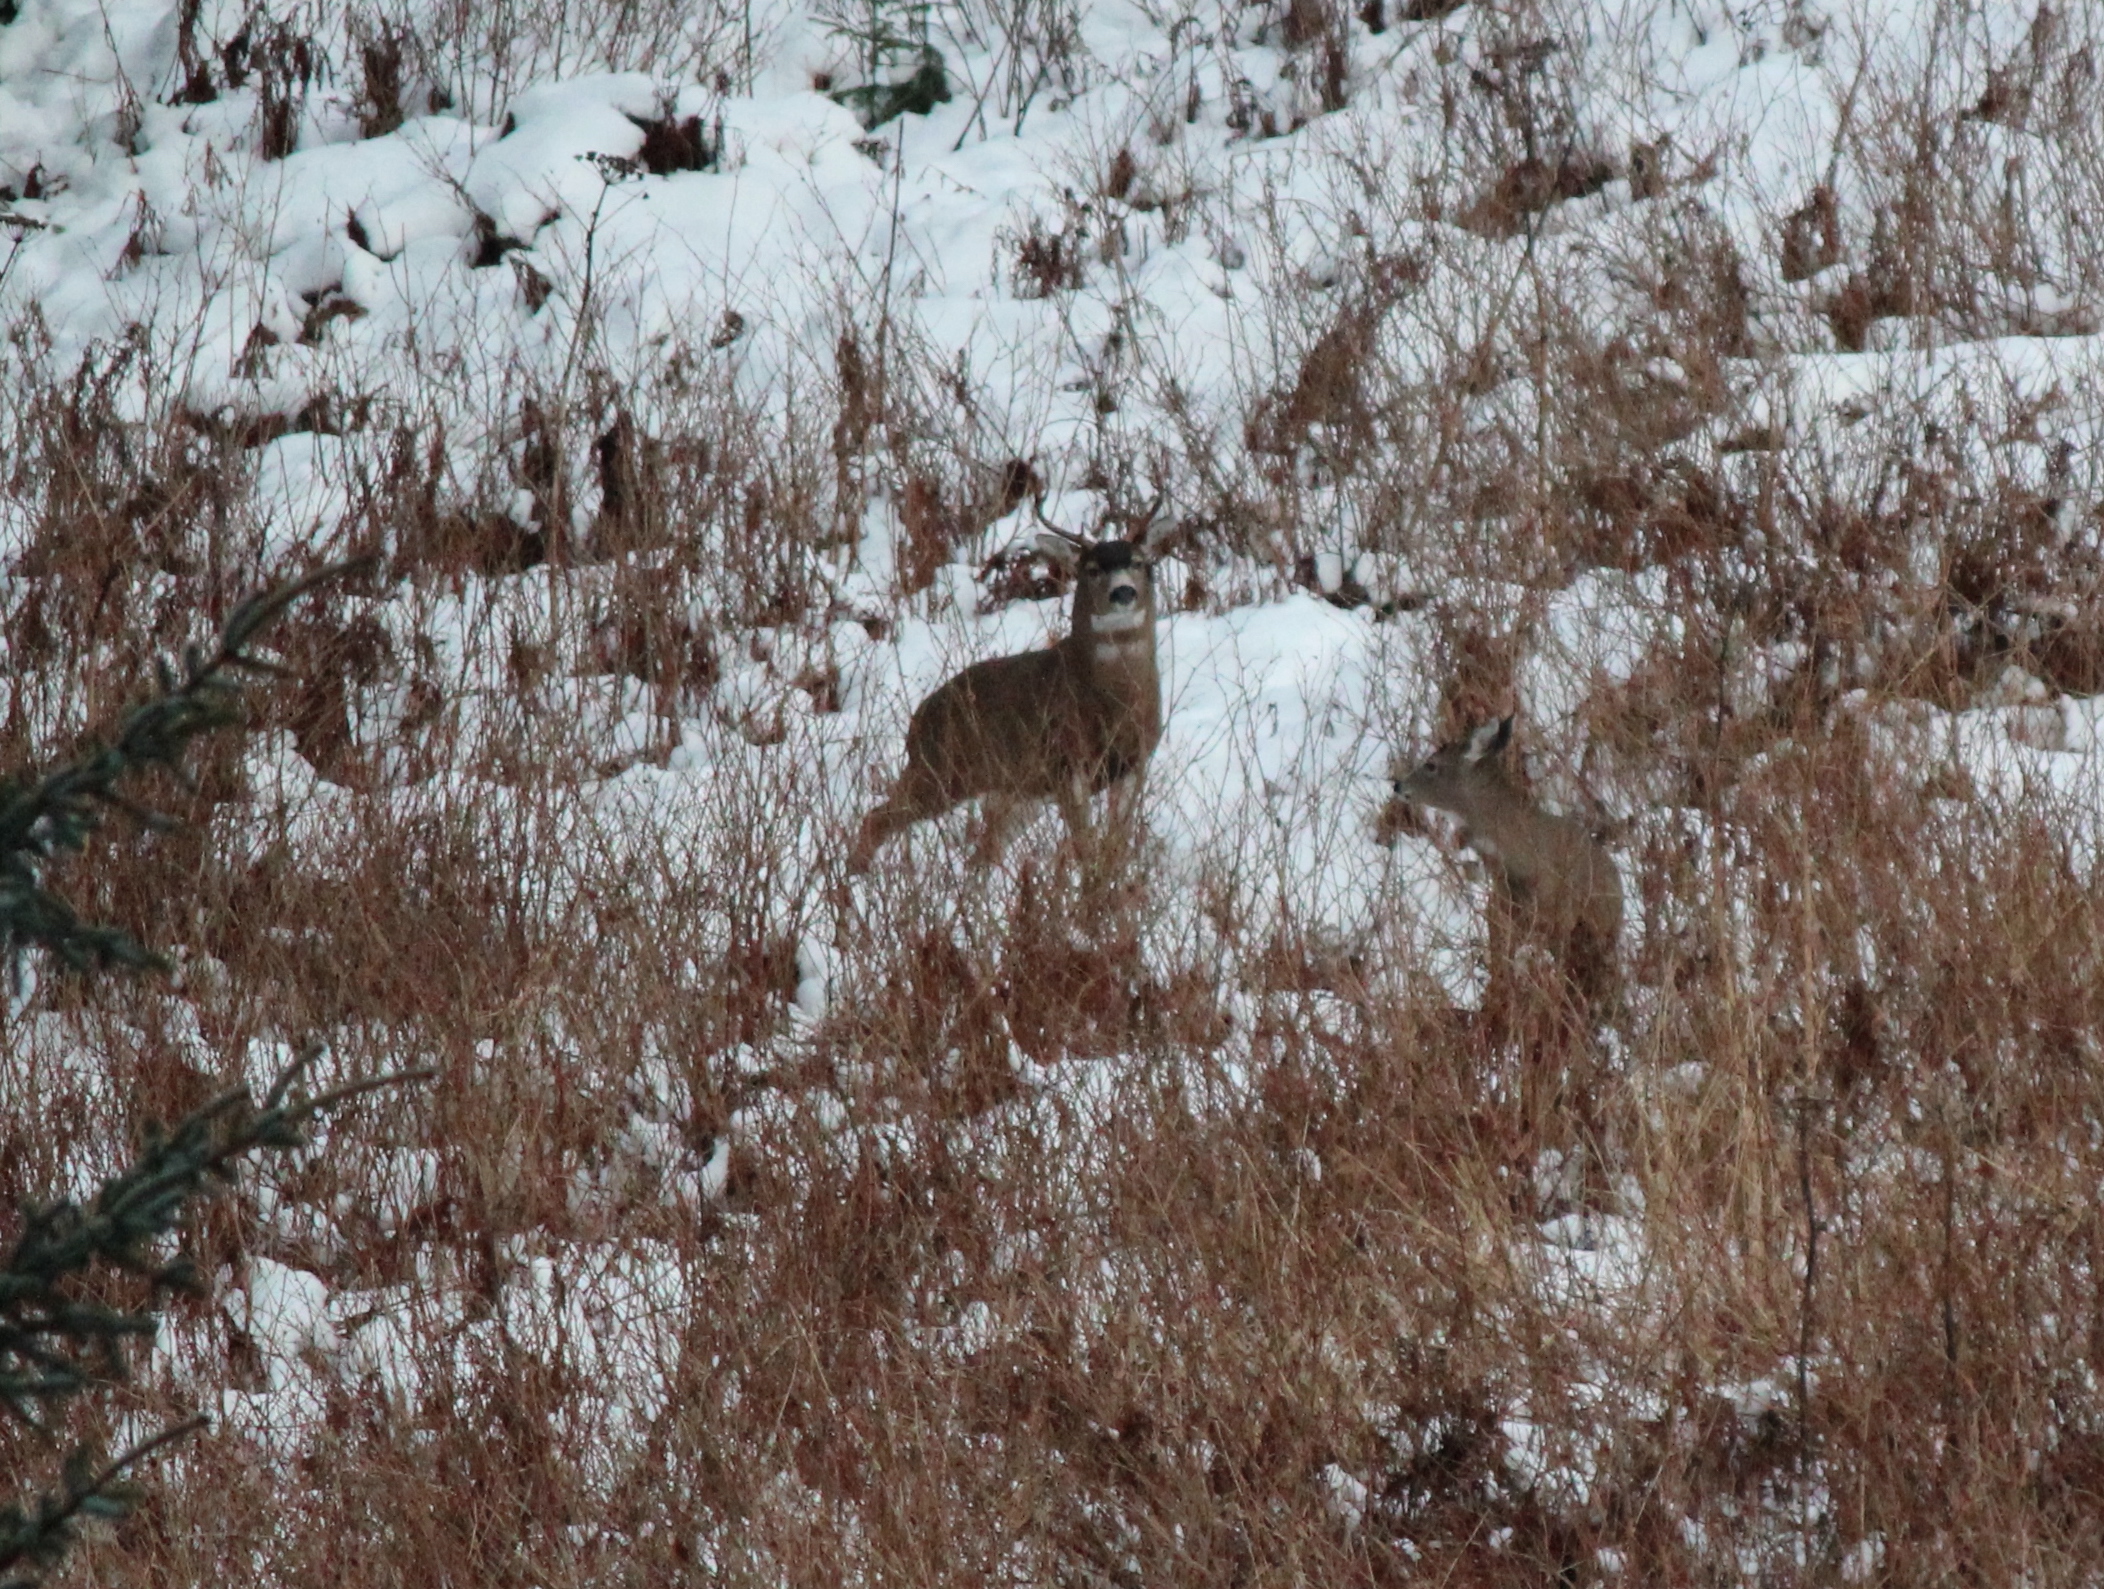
x: 1123, y: 596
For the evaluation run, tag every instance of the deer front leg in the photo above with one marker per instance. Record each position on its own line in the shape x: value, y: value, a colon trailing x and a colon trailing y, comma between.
x: 998, y: 813
x: 1125, y: 797
x: 1104, y: 849
x: 1073, y: 800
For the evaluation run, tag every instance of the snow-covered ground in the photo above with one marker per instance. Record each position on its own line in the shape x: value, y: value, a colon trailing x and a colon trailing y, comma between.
x: 502, y: 252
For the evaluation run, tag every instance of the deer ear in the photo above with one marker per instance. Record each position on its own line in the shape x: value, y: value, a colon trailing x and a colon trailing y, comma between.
x: 1062, y: 551
x: 1488, y: 740
x: 1161, y: 525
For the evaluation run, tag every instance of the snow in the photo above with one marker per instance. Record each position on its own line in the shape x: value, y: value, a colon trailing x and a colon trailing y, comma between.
x: 1284, y: 711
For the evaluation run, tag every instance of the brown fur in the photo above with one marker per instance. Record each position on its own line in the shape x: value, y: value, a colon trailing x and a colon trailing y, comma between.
x: 1554, y: 887
x: 1061, y: 724
x: 1558, y: 885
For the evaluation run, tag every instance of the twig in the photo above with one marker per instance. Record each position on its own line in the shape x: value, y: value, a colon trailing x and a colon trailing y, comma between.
x: 1803, y: 1110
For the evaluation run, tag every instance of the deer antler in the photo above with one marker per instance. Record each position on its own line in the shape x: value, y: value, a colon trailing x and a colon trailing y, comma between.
x: 1037, y: 507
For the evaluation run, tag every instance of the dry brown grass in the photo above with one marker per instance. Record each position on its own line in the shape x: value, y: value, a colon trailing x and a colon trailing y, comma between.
x: 1266, y: 1300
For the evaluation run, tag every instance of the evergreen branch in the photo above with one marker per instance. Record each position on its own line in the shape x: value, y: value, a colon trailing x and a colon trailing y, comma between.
x: 46, y: 1336
x: 53, y: 1346
x: 53, y: 1343
x: 40, y: 818
x: 39, y: 1541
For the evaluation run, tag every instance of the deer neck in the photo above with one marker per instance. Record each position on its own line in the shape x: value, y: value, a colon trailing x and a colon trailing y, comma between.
x: 1119, y: 661
x: 1504, y: 826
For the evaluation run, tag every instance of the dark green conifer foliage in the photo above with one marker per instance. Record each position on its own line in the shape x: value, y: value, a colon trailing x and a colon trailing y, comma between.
x: 54, y: 1341
x: 41, y: 817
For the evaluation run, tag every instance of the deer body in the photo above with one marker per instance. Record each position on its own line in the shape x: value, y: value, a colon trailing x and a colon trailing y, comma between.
x: 1559, y: 886
x: 1060, y: 724
x: 1553, y: 887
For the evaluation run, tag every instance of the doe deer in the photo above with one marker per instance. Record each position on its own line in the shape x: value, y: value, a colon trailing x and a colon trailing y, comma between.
x: 1553, y: 887
x: 1060, y: 724
x: 1558, y: 884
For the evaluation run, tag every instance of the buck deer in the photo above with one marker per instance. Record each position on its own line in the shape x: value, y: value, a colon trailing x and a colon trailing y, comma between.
x: 1060, y: 724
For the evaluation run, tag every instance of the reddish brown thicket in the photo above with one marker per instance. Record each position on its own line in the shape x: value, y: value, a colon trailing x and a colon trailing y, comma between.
x: 1093, y: 1234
